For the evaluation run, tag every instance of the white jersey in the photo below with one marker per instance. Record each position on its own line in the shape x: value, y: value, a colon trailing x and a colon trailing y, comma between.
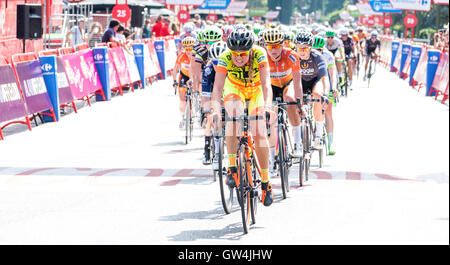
x: 329, y: 59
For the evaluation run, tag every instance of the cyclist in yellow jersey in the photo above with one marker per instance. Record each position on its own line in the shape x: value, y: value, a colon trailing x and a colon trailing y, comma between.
x: 243, y: 75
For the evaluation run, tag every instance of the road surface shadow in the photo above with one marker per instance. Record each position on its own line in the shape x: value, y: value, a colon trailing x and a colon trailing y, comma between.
x: 216, y: 214
x: 230, y: 232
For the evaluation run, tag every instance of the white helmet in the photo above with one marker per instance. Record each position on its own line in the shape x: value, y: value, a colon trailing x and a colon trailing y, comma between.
x: 217, y: 49
x: 374, y: 34
x: 343, y: 31
x: 188, y: 27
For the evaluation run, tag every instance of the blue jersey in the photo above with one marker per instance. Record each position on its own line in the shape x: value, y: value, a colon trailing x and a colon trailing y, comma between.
x: 209, y: 74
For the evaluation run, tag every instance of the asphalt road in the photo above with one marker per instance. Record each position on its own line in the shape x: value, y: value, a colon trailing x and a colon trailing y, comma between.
x: 119, y: 173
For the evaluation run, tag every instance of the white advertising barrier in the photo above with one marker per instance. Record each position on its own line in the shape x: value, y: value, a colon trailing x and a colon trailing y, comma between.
x: 417, y: 5
x: 386, y: 52
x: 132, y: 67
x: 398, y: 59
x: 420, y: 75
x: 170, y: 54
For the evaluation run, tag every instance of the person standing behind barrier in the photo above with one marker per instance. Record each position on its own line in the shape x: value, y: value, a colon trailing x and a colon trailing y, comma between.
x: 79, y: 34
x: 147, y: 31
x: 165, y: 29
x: 120, y: 36
x: 95, y: 34
x: 110, y: 33
x: 156, y: 29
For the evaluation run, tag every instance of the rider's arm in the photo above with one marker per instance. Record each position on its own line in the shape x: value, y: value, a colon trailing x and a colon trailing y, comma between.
x: 265, y: 83
x: 196, y: 74
x: 219, y: 82
x: 176, y: 69
x: 297, y: 78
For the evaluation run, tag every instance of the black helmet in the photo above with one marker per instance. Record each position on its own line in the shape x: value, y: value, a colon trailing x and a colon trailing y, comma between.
x: 240, y: 39
x: 305, y: 38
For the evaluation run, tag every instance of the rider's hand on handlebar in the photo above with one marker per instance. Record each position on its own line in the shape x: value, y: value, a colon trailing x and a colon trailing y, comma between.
x: 175, y: 83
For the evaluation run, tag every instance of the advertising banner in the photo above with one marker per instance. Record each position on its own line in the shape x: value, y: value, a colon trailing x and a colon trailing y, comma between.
x: 131, y: 65
x: 383, y: 7
x: 184, y: 2
x: 11, y: 103
x: 138, y: 50
x: 395, y: 47
x: 405, y: 53
x: 420, y: 76
x: 154, y: 57
x: 89, y: 71
x: 440, y: 82
x: 257, y: 11
x: 48, y: 67
x: 236, y: 7
x: 120, y: 63
x: 433, y: 62
x: 159, y: 48
x: 215, y: 4
x: 101, y: 60
x: 33, y: 87
x: 417, y: 5
x: 416, y: 52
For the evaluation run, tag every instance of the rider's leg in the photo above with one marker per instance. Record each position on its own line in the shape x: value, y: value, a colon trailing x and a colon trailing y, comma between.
x: 319, y: 117
x: 351, y: 65
x: 294, y: 120
x: 207, y: 131
x: 329, y: 125
x: 340, y: 68
x: 234, y: 107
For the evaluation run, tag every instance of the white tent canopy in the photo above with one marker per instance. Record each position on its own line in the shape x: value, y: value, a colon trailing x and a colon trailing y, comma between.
x: 130, y: 2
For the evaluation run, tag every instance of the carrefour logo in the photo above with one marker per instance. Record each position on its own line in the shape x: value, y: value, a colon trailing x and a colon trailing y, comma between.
x: 138, y: 51
x: 98, y: 57
x: 377, y: 6
x: 46, y: 67
x: 405, y: 50
x: 416, y: 53
x: 159, y: 47
x: 395, y: 46
x: 434, y: 58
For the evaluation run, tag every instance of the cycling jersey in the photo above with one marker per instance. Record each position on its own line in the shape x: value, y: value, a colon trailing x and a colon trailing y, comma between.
x: 239, y: 84
x: 348, y: 47
x: 329, y: 59
x: 208, y: 77
x: 201, y: 54
x: 313, y: 70
x: 337, y: 43
x: 281, y: 71
x: 372, y: 46
x: 184, y: 61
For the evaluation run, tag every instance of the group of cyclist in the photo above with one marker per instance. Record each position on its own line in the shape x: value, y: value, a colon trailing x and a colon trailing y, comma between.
x: 258, y: 64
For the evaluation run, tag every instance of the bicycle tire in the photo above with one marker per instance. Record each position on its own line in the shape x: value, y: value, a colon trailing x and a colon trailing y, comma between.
x: 282, y: 163
x: 227, y: 201
x: 369, y: 75
x: 308, y: 136
x: 187, y: 123
x: 243, y: 193
x: 254, y: 194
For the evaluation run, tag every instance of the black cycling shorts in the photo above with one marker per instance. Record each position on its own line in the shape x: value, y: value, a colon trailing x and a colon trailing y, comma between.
x: 278, y: 92
x: 183, y: 79
x: 308, y: 86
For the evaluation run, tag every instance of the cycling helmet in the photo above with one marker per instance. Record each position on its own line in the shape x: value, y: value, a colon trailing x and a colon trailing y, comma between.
x: 240, y: 39
x: 188, y: 42
x: 257, y: 29
x: 249, y: 27
x: 213, y: 33
x: 273, y: 36
x: 374, y: 34
x: 330, y: 33
x: 343, y: 31
x: 319, y: 42
x: 322, y: 34
x: 188, y: 28
x: 200, y: 35
x: 227, y: 30
x: 217, y: 49
x: 304, y: 37
x: 240, y: 26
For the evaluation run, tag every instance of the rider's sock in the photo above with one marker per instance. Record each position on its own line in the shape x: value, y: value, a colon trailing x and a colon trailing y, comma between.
x: 264, y: 175
x: 330, y: 138
x: 319, y: 128
x: 217, y: 144
x: 232, y: 160
x: 297, y: 134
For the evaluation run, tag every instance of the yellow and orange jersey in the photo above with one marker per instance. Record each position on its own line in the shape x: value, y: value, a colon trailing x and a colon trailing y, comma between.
x: 184, y: 60
x: 281, y: 71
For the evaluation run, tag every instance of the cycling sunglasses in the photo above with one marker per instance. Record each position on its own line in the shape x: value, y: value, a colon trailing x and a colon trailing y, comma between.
x: 240, y: 54
x: 188, y: 49
x: 273, y: 46
x: 210, y: 43
x: 304, y: 49
x: 330, y: 37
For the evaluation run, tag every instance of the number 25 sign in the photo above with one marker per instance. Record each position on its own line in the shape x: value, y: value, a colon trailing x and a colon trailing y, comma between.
x: 122, y: 13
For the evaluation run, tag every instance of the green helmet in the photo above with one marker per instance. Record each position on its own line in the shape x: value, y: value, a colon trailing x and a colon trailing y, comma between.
x: 201, y: 35
x: 257, y: 29
x: 319, y: 42
x: 330, y: 33
x: 213, y: 34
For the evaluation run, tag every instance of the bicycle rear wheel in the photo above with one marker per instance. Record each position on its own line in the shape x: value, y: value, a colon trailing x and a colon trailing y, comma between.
x: 226, y: 193
x: 245, y: 195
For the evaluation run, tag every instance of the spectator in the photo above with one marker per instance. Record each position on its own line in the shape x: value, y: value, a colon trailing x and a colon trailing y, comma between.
x: 165, y: 29
x: 156, y: 29
x: 95, y: 34
x: 199, y: 24
x: 110, y: 33
x: 175, y: 28
x: 68, y: 39
x: 147, y: 32
x: 119, y: 34
x: 79, y: 34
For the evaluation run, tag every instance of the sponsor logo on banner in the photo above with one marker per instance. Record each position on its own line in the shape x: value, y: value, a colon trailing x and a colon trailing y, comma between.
x: 416, y: 53
x: 434, y: 59
x: 418, y: 5
x: 395, y: 46
x: 46, y: 67
x: 98, y: 57
x: 9, y: 92
x: 138, y: 51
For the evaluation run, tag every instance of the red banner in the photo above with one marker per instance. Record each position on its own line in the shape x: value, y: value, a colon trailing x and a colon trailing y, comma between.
x: 440, y: 81
x: 120, y: 63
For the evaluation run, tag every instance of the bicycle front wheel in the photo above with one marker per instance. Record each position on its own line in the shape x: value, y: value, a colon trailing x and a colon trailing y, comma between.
x: 187, y: 123
x: 282, y: 163
x: 226, y: 193
x: 244, y: 191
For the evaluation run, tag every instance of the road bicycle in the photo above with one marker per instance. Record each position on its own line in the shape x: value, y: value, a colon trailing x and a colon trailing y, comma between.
x: 308, y: 132
x: 188, y: 114
x: 284, y: 159
x: 371, y: 70
x: 248, y: 169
